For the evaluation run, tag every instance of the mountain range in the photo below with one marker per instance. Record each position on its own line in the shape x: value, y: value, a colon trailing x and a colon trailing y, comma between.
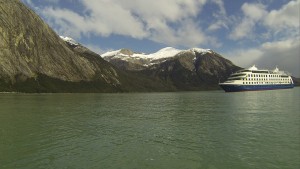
x: 192, y: 69
x: 33, y: 58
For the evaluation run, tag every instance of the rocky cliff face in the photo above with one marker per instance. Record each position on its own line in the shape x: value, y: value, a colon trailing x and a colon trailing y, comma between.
x: 30, y: 49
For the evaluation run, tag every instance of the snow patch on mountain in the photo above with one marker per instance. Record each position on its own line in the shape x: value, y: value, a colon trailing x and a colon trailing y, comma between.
x: 111, y: 53
x: 202, y: 51
x: 147, y: 60
x: 69, y: 40
x: 164, y: 53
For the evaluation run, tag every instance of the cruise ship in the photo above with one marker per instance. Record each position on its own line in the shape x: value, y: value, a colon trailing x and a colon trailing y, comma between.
x: 255, y: 79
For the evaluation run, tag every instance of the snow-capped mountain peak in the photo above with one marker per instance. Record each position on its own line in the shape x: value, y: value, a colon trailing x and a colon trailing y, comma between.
x: 69, y: 40
x: 161, y: 54
x: 164, y: 53
x: 146, y: 60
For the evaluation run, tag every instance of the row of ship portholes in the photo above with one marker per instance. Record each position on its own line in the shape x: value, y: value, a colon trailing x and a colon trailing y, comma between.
x: 265, y: 82
x: 255, y: 75
x: 263, y: 79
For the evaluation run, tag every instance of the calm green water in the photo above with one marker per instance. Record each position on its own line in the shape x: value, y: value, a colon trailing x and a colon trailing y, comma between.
x: 209, y: 130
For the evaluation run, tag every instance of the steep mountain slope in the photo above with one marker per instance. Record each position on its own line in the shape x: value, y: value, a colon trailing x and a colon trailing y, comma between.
x: 33, y: 58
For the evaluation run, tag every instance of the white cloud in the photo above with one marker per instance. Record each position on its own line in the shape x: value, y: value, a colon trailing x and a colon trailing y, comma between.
x: 221, y: 18
x: 170, y: 22
x: 284, y: 22
x: 280, y: 23
x: 254, y: 11
x: 252, y: 14
x: 285, y: 54
x: 244, y: 57
x: 242, y: 30
x: 102, y: 22
x: 287, y: 16
x: 278, y: 31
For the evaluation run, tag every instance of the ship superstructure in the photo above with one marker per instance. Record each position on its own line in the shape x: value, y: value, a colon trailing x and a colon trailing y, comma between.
x: 257, y: 79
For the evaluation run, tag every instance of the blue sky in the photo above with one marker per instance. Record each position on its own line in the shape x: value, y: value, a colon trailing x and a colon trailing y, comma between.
x: 261, y: 32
